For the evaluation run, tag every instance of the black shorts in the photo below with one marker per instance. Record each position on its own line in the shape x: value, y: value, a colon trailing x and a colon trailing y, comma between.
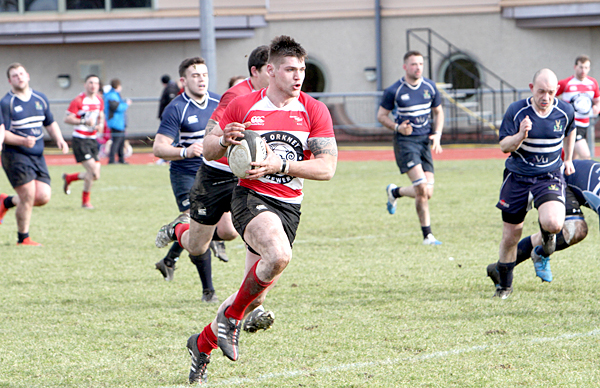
x: 84, y: 149
x: 210, y: 196
x: 517, y: 191
x: 581, y: 133
x: 412, y: 150
x: 572, y: 205
x: 23, y: 168
x: 247, y: 204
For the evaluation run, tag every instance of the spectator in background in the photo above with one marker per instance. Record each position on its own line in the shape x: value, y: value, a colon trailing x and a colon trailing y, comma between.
x: 170, y: 91
x: 114, y: 109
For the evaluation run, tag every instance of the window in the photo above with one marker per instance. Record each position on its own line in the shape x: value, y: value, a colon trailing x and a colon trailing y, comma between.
x: 85, y: 4
x: 314, y: 78
x: 461, y: 71
x: 22, y: 6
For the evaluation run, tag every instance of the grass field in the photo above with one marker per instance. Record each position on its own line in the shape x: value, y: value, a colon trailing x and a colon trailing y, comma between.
x: 362, y: 304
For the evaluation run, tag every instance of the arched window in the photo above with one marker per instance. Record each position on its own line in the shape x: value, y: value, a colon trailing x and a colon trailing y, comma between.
x: 314, y: 80
x: 461, y: 71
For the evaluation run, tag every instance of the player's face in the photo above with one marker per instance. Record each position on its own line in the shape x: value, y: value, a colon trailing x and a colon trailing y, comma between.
x: 92, y: 85
x: 287, y: 76
x: 195, y: 80
x: 582, y: 70
x: 543, y: 91
x: 18, y: 79
x: 413, y: 66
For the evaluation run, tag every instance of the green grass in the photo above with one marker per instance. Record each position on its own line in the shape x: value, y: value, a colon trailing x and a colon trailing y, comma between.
x: 362, y: 304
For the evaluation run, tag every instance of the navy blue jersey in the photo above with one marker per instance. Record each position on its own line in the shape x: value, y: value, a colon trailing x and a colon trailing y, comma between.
x: 184, y: 121
x: 540, y: 152
x: 26, y: 118
x: 412, y: 103
x: 585, y: 178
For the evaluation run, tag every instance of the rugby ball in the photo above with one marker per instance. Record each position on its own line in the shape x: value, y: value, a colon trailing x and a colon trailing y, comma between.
x: 252, y: 148
x: 582, y: 103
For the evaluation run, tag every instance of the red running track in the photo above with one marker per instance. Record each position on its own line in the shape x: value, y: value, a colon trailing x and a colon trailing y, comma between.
x: 356, y: 154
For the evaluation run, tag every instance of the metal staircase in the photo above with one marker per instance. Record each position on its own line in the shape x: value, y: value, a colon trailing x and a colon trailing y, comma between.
x: 473, y: 113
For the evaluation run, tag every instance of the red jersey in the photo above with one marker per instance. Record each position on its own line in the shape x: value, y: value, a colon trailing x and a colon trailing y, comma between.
x: 243, y: 88
x: 570, y: 89
x: 286, y: 130
x: 90, y: 108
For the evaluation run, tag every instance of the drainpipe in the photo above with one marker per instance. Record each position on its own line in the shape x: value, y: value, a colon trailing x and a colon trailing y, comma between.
x: 208, y: 44
x: 378, y: 43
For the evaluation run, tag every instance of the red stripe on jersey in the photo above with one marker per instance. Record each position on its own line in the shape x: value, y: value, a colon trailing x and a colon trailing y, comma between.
x: 276, y: 190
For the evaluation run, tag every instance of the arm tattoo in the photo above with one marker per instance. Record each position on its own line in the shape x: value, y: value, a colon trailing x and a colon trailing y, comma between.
x: 323, y: 145
x: 210, y: 126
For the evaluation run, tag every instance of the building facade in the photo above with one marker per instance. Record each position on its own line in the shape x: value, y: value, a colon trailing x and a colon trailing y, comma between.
x: 137, y: 41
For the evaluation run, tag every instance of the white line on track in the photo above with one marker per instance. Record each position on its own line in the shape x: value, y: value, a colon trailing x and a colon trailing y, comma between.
x: 359, y: 365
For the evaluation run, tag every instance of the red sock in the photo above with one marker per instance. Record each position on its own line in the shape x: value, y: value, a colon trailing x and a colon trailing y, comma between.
x: 72, y: 177
x: 85, y: 197
x: 250, y: 289
x: 207, y: 340
x: 179, y: 229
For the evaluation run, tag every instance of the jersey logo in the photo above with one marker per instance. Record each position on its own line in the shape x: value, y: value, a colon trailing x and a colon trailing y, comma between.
x: 193, y: 119
x: 18, y: 108
x: 257, y: 120
x: 298, y: 119
x: 573, y: 88
x: 405, y: 97
x: 426, y: 94
x: 541, y: 159
x: 38, y: 106
x: 287, y: 147
x: 558, y: 126
x: 553, y: 188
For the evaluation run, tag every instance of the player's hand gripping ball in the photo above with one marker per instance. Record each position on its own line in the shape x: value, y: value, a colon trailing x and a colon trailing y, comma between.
x: 251, y: 149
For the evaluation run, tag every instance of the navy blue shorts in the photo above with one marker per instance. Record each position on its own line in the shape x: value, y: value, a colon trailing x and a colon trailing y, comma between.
x: 518, y: 191
x: 23, y: 168
x: 182, y: 183
x: 412, y: 150
x: 210, y: 196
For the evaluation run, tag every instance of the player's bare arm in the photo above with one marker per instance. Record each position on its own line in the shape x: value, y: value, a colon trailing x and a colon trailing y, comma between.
x: 438, y: 127
x: 16, y: 140
x: 164, y: 149
x: 383, y: 117
x: 512, y: 143
x: 56, y: 135
x: 569, y: 147
x: 596, y: 107
x: 321, y: 167
x: 100, y: 123
x: 216, y: 143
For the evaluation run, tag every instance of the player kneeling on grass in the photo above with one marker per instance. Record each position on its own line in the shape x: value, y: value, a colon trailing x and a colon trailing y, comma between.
x: 266, y: 204
x: 86, y: 113
x: 575, y: 229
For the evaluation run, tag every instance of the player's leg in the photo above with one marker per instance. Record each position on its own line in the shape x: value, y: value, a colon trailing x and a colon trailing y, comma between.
x: 32, y: 193
x: 223, y: 232
x: 92, y: 173
x: 511, y: 233
x: 196, y: 241
x: 423, y: 192
x: 582, y: 149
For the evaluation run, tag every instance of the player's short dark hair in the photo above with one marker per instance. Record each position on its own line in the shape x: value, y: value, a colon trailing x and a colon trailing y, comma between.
x: 165, y: 79
x: 412, y: 53
x: 90, y: 76
x: 115, y: 83
x: 15, y: 65
x: 582, y: 59
x: 284, y: 46
x: 258, y: 58
x: 189, y: 62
